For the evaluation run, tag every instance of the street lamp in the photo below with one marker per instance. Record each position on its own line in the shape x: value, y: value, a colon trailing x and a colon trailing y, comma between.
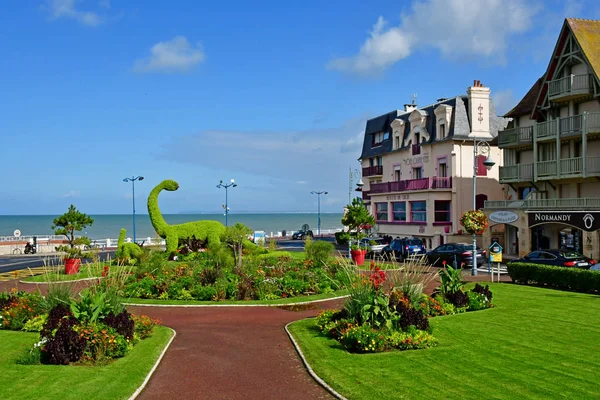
x: 354, y: 174
x: 226, y: 186
x: 318, y: 210
x: 132, y: 180
x: 480, y: 147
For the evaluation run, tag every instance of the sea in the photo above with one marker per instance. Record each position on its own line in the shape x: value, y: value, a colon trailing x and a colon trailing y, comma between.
x: 108, y: 226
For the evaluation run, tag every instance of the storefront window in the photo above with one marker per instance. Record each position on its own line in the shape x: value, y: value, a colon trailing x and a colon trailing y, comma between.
x: 418, y: 211
x: 442, y: 211
x: 399, y: 211
x: 381, y: 211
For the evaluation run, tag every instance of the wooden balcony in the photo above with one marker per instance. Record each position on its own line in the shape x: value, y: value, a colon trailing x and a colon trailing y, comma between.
x: 372, y: 171
x: 543, y: 204
x: 516, y: 173
x: 522, y: 136
x: 570, y: 87
x: 411, y: 185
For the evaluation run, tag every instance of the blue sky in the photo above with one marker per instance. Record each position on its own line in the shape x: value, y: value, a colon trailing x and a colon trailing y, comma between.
x: 274, y: 94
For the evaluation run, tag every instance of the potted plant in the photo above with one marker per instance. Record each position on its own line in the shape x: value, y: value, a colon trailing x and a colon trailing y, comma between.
x: 356, y: 217
x: 474, y: 221
x: 67, y: 224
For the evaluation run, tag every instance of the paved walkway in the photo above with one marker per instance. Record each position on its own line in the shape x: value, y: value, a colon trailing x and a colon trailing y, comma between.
x: 233, y: 352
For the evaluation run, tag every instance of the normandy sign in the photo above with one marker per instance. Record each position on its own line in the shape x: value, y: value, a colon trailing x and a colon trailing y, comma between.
x: 503, y: 217
x: 585, y: 220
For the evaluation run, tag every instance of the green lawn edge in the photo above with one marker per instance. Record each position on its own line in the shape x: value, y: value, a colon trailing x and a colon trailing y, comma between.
x: 276, y: 302
x: 536, y: 343
x: 117, y: 380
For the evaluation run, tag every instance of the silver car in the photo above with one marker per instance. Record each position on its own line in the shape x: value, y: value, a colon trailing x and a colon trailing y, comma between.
x: 373, y: 245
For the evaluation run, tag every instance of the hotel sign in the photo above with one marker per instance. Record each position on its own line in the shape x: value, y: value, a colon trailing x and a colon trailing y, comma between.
x: 503, y: 217
x: 587, y: 221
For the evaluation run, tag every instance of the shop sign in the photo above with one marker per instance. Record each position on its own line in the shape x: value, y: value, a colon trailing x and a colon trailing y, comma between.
x: 585, y: 220
x: 503, y: 217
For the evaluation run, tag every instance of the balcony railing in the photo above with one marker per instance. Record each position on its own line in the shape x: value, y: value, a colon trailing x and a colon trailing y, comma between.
x: 566, y: 127
x: 547, y: 168
x: 438, y: 182
x: 416, y: 149
x: 581, y: 203
x: 374, y: 170
x: 516, y: 173
x: 571, y: 166
x: 412, y: 184
x: 563, y: 89
x: 516, y: 136
x: 593, y: 165
x: 366, y: 196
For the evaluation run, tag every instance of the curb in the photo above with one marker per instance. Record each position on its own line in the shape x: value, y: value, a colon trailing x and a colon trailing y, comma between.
x: 309, y: 369
x: 237, y: 305
x: 143, y: 385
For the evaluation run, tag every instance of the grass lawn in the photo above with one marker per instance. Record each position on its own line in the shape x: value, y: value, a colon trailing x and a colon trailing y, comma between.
x: 536, y: 343
x: 117, y: 380
x: 57, y: 274
x: 288, y: 300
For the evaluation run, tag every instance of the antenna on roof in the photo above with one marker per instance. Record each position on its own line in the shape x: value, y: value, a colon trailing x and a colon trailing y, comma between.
x: 414, y: 98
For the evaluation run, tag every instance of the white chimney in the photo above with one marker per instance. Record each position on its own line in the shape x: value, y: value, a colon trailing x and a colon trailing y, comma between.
x: 479, y: 110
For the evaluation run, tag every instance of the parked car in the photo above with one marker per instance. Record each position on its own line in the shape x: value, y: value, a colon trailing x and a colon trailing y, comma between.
x: 301, y: 235
x: 373, y: 245
x: 559, y: 258
x: 463, y: 252
x: 401, y: 248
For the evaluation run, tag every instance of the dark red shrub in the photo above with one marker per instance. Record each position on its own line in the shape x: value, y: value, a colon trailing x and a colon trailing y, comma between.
x: 411, y: 316
x: 483, y: 290
x: 459, y: 298
x: 122, y: 322
x: 64, y: 345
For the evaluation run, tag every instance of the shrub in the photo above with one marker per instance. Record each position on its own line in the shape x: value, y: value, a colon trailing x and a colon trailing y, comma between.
x: 101, y: 342
x: 410, y: 316
x: 63, y: 344
x: 144, y: 325
x: 318, y: 251
x: 459, y: 299
x: 477, y: 301
x: 122, y: 323
x: 324, y: 318
x: 203, y: 293
x: 483, y: 290
x: 562, y: 278
x: 363, y: 339
x: 412, y: 340
x: 35, y: 324
x: 342, y: 238
x: 18, y: 308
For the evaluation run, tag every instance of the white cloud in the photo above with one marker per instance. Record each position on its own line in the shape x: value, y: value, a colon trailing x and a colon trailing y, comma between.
x: 504, y: 101
x: 71, y: 194
x: 175, y: 55
x: 456, y: 28
x: 66, y: 9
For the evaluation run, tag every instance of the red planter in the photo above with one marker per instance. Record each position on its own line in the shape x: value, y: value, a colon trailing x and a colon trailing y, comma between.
x: 358, y: 256
x: 72, y: 265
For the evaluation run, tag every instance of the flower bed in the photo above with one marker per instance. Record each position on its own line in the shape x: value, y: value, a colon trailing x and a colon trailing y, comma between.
x: 92, y: 329
x: 213, y: 277
x: 381, y: 315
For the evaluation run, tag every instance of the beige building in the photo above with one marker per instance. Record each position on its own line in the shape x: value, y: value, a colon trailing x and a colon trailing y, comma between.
x: 551, y: 152
x: 418, y: 166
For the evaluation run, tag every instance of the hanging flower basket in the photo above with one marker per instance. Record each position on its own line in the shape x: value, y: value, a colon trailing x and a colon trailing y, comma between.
x: 474, y: 221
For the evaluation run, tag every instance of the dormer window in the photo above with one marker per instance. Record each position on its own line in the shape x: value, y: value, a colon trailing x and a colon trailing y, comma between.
x: 442, y: 130
x: 443, y: 114
x: 379, y: 137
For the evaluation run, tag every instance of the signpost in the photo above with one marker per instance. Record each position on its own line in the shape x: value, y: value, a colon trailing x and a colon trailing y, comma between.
x: 495, y: 257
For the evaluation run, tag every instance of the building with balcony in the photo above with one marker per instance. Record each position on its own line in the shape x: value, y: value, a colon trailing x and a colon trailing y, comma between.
x: 551, y: 149
x: 418, y: 166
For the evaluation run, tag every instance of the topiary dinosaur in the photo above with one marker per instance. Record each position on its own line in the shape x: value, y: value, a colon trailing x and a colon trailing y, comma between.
x: 210, y: 231
x: 127, y: 251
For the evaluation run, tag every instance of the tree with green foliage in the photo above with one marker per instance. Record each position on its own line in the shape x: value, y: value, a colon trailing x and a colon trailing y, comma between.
x: 356, y: 217
x: 68, y: 224
x: 235, y: 236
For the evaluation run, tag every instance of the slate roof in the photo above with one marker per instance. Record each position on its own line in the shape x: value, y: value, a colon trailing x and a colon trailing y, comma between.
x: 459, y: 126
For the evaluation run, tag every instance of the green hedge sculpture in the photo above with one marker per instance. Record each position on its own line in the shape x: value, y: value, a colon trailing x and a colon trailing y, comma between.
x: 127, y: 251
x: 209, y: 231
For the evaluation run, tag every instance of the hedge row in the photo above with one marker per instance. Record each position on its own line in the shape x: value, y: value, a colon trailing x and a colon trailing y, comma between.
x: 562, y: 278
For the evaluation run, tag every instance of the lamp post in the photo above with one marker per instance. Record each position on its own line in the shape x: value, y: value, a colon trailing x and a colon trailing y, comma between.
x: 132, y: 180
x: 318, y: 210
x: 488, y: 163
x: 226, y: 186
x: 354, y: 174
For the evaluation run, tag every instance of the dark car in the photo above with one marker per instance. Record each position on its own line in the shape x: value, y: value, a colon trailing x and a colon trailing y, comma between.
x: 400, y: 249
x: 301, y: 235
x: 461, y: 252
x: 559, y: 258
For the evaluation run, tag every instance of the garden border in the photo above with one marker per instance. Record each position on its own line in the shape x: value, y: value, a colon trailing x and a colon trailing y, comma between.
x: 145, y: 382
x: 312, y: 373
x: 238, y: 305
